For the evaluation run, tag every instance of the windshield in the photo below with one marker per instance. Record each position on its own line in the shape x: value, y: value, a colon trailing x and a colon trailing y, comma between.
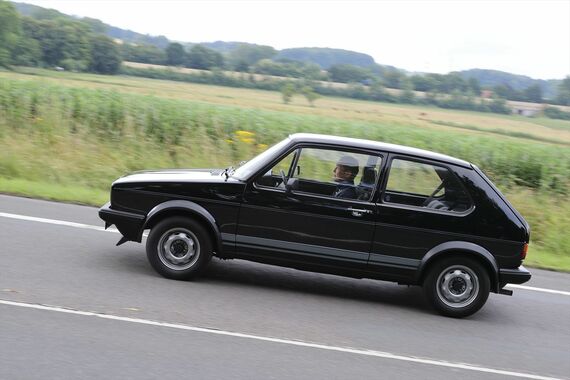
x: 256, y: 163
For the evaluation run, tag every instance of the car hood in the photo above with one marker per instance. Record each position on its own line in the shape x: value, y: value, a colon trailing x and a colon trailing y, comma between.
x: 173, y: 175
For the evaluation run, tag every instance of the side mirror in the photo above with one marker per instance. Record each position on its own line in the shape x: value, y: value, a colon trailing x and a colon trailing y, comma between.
x: 292, y: 184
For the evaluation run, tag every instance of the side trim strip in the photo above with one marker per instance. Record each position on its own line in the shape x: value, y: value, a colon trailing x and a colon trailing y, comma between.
x: 376, y: 258
x: 286, y: 251
x: 228, y: 238
x: 321, y: 251
x: 300, y: 247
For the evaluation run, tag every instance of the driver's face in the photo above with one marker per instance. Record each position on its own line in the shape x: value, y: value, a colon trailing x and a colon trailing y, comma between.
x: 342, y: 173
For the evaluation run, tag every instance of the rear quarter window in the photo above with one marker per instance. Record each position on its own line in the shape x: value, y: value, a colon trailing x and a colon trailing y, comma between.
x: 425, y: 186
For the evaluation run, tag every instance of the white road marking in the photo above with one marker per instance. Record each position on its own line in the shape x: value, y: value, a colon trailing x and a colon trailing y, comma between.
x: 364, y: 352
x: 58, y: 222
x: 113, y: 229
x: 561, y: 292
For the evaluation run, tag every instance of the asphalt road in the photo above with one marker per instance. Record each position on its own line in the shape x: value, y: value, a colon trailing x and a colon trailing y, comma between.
x: 111, y: 316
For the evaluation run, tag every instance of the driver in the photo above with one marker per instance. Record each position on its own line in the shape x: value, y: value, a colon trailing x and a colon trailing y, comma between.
x: 343, y: 174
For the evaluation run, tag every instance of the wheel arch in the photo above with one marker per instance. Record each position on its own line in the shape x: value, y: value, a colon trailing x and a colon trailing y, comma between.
x: 460, y: 248
x: 185, y: 208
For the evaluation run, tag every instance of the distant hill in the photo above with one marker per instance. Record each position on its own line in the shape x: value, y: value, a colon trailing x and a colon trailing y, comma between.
x: 490, y: 78
x: 326, y: 57
x: 222, y: 46
x: 125, y: 35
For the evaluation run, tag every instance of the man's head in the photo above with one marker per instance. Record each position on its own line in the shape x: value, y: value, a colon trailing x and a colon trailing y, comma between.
x: 346, y: 169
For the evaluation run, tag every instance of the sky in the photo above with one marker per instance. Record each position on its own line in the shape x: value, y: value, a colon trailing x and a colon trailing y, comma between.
x: 522, y: 37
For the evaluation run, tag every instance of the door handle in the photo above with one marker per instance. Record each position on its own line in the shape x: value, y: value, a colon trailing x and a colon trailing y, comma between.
x: 358, y: 211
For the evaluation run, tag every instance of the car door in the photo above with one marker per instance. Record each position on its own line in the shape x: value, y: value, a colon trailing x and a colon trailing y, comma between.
x: 422, y: 203
x: 316, y: 219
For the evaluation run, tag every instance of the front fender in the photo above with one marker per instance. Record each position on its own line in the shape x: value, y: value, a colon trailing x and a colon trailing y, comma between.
x: 464, y: 247
x: 181, y: 207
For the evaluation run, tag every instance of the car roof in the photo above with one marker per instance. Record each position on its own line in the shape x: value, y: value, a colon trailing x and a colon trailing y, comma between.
x: 376, y: 145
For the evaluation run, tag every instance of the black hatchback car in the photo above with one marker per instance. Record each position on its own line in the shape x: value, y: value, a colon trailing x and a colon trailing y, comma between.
x: 344, y: 206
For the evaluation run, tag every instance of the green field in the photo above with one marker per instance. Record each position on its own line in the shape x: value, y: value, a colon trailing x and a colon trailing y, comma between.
x: 66, y: 136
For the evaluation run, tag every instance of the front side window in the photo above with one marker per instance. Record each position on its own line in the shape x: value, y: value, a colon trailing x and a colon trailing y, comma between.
x: 326, y: 172
x: 424, y: 185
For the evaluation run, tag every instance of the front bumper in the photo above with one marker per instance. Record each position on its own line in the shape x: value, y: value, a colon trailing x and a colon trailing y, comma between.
x: 129, y: 224
x: 514, y: 276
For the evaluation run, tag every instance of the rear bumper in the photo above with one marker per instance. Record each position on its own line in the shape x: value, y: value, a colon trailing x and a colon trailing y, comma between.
x: 129, y: 224
x: 514, y: 276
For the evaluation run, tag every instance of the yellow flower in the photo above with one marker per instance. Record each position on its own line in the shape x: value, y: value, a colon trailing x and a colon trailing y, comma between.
x: 246, y: 137
x: 229, y: 141
x: 262, y: 146
x: 244, y: 134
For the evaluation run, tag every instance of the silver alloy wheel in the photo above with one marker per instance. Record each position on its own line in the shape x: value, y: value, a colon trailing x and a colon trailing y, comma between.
x: 178, y: 248
x: 457, y: 286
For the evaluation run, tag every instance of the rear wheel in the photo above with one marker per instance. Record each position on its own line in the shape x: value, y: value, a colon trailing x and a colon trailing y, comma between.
x: 179, y: 248
x: 457, y: 286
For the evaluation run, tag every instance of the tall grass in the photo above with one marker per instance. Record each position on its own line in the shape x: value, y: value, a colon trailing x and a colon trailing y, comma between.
x: 179, y: 132
x: 85, y: 137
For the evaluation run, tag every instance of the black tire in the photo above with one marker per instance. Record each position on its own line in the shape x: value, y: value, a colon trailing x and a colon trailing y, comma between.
x: 448, y: 283
x: 179, y: 248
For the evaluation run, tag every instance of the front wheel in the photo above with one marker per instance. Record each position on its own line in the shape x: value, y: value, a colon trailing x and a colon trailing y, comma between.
x: 457, y: 287
x: 179, y: 248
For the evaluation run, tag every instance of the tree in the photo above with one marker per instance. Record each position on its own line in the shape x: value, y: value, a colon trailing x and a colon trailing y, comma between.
x: 348, y: 73
x: 499, y: 105
x: 246, y: 55
x: 533, y: 94
x: 393, y: 78
x: 27, y: 52
x: 563, y: 95
x: 59, y: 39
x: 105, y: 57
x: 423, y: 83
x: 175, y: 54
x: 201, y: 57
x: 97, y: 26
x: 311, y: 71
x: 453, y: 81
x: 241, y: 67
x: 143, y: 53
x: 439, y: 83
x: 310, y: 94
x: 505, y: 91
x: 407, y: 95
x: 378, y: 92
x: 269, y: 67
x: 9, y: 31
x: 474, y: 86
x: 357, y: 91
x: 287, y: 92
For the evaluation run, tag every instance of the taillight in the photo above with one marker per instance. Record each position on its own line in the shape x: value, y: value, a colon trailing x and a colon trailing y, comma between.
x: 524, y: 251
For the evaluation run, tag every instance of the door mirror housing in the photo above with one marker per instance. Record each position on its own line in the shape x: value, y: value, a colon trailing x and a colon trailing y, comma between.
x: 292, y: 184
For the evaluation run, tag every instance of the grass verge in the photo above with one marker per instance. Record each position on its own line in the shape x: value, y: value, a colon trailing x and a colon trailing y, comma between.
x: 54, y: 191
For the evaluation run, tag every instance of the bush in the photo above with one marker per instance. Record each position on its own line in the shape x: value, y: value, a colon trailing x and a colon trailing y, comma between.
x: 74, y: 65
x: 556, y: 113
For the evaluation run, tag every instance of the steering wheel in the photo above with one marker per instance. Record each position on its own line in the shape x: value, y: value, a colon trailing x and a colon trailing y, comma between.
x: 431, y: 196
